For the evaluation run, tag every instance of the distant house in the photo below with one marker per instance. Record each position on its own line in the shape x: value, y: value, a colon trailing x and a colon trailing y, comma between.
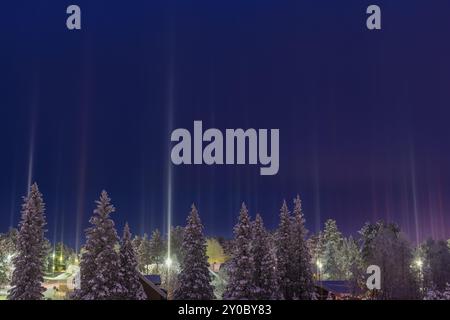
x: 151, y: 284
x: 337, y: 290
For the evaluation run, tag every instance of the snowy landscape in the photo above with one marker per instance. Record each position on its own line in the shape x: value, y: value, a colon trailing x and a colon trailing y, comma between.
x: 258, y: 264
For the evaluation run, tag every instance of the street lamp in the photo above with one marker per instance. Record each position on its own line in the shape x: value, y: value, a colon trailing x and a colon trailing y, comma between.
x: 319, y: 264
x: 319, y: 267
x: 168, y: 282
x: 319, y: 271
x: 419, y: 264
x: 53, y: 261
x: 168, y: 262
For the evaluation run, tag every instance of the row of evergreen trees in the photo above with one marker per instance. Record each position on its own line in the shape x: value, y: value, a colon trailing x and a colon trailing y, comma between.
x: 270, y: 266
x: 105, y: 273
x: 259, y: 269
x: 263, y: 265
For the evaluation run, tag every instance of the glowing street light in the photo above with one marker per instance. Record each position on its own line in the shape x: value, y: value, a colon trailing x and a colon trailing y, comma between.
x: 319, y: 271
x: 419, y: 263
x: 168, y: 262
x: 319, y: 267
x: 319, y: 264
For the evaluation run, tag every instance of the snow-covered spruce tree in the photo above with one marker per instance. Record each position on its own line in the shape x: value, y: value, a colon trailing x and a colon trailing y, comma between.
x: 284, y: 252
x: 435, y: 294
x: 352, y: 264
x: 315, y: 247
x: 241, y: 267
x: 29, y: 262
x: 194, y: 279
x: 99, y: 265
x: 386, y: 246
x: 4, y: 267
x: 436, y: 271
x: 136, y: 242
x: 129, y: 275
x: 8, y: 243
x: 302, y: 278
x: 176, y: 242
x: 144, y: 257
x: 332, y: 249
x: 432, y: 294
x: 446, y: 294
x: 156, y: 247
x: 265, y: 276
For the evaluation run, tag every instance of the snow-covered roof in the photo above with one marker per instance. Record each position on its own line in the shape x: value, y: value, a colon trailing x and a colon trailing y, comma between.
x: 155, y: 278
x: 155, y: 287
x: 336, y: 286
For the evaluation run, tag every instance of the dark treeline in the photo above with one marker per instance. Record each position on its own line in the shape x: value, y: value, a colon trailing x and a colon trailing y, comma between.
x: 286, y: 263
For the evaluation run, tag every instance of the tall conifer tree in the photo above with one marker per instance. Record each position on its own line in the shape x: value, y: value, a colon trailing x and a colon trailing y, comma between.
x: 29, y: 262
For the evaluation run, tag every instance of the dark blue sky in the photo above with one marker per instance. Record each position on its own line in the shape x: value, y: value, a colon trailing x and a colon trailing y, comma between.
x: 363, y: 115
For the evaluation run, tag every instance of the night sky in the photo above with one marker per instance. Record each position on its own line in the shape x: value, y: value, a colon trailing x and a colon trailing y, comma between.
x: 363, y: 115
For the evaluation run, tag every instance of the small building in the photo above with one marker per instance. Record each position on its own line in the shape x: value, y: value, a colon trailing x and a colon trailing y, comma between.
x: 151, y: 284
